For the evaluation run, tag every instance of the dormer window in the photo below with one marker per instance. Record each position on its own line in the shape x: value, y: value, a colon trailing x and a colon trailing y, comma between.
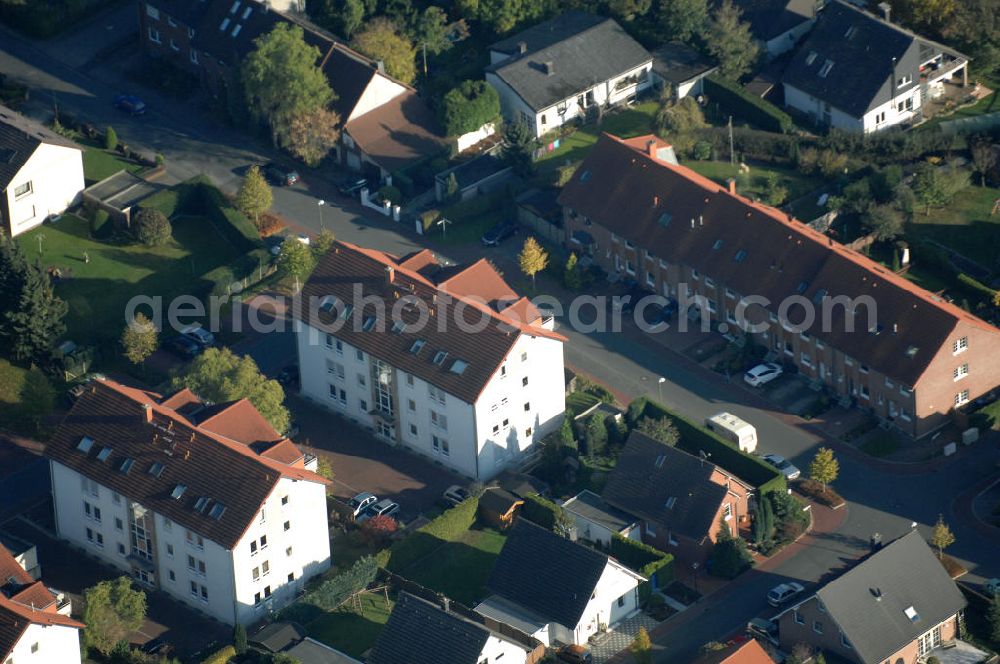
x: 217, y: 511
x: 912, y: 614
x: 811, y: 58
x: 368, y: 323
x: 398, y: 327
x: 201, y: 503
x: 327, y: 304
x: 671, y: 501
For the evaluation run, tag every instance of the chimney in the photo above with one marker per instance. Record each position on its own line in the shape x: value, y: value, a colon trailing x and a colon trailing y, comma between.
x: 651, y: 148
x: 732, y: 185
x: 187, y: 454
x: 380, y: 66
x: 656, y: 201
x: 390, y: 274
x: 522, y: 47
x: 147, y: 413
x: 886, y: 10
x: 549, y: 67
x: 445, y: 604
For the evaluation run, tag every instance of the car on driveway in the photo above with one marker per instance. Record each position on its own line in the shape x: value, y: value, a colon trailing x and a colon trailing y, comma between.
x: 784, y: 593
x: 498, y: 233
x: 352, y: 186
x: 182, y: 346
x: 384, y: 507
x: 574, y: 654
x: 361, y: 501
x: 764, y: 630
x: 762, y: 374
x: 279, y: 175
x: 199, y: 335
x: 790, y: 471
x: 130, y: 104
x: 455, y: 494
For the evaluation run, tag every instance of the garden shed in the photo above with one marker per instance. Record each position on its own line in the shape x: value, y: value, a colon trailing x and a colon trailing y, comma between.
x: 119, y: 195
x: 481, y: 175
x: 498, y: 507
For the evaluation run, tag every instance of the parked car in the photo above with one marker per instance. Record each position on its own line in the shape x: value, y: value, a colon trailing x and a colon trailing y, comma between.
x: 790, y: 471
x: 183, y: 346
x: 455, y: 494
x: 273, y: 243
x: 130, y: 104
x: 783, y: 593
x: 199, y: 335
x: 289, y: 376
x: 655, y: 314
x: 158, y: 647
x: 574, y: 654
x: 384, y: 507
x: 498, y: 233
x: 763, y: 629
x: 279, y: 175
x: 762, y: 374
x: 361, y: 501
x: 352, y: 186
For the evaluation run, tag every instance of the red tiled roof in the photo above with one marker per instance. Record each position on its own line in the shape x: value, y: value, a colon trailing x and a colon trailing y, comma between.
x: 241, y: 422
x: 685, y: 218
x: 136, y: 425
x: 35, y: 595
x: 11, y: 569
x: 16, y: 617
x: 346, y: 266
x: 749, y: 652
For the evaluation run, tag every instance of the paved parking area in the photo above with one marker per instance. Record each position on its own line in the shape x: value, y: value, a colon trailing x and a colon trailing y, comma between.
x: 361, y: 462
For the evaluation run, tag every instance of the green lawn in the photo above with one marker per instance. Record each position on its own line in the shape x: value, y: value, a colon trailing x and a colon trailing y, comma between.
x: 349, y: 631
x: 627, y: 123
x: 11, y: 383
x: 964, y: 225
x: 99, y: 164
x: 98, y: 291
x: 461, y: 568
x: 797, y: 184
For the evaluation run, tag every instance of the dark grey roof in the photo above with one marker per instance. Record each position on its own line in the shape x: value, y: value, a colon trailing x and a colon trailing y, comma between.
x: 474, y: 171
x: 121, y: 190
x: 860, y: 76
x: 547, y: 574
x: 19, y: 138
x: 419, y: 632
x: 674, y: 491
x: 583, y: 49
x: 679, y: 63
x: 185, y: 11
x: 522, y: 484
x: 591, y: 507
x: 278, y: 636
x: 309, y: 651
x: 772, y: 18
x: 869, y: 602
x: 498, y: 501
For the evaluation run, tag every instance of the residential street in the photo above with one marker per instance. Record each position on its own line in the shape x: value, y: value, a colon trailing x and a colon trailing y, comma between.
x: 882, y: 498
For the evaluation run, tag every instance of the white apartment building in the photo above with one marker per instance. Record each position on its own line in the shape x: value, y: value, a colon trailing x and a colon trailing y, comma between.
x: 205, y: 502
x: 447, y: 361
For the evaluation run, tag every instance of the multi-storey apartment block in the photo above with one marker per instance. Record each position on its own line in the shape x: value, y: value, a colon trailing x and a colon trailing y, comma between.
x: 205, y: 502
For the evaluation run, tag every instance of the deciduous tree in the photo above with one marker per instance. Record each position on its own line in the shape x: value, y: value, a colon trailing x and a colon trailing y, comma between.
x: 661, y: 429
x: 110, y: 138
x: 641, y: 647
x: 254, y: 197
x: 983, y: 157
x: 380, y: 40
x: 112, y: 610
x: 729, y: 40
x: 295, y: 260
x: 824, y: 468
x: 885, y: 222
x: 571, y: 274
x: 378, y: 529
x: 38, y: 398
x: 532, y: 259
x: 941, y: 536
x: 936, y: 186
x: 219, y: 376
x: 310, y: 134
x: 683, y: 20
x: 431, y: 30
x: 139, y: 339
x: 352, y: 15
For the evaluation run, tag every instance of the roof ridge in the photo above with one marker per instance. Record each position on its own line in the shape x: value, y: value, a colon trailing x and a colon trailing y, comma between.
x: 37, y: 616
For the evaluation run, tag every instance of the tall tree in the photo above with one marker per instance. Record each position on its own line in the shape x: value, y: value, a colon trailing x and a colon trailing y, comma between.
x: 219, y: 376
x: 824, y: 468
x: 310, y: 134
x: 469, y: 106
x: 941, y: 536
x: 296, y: 260
x: 281, y: 77
x: 519, y: 145
x: 729, y: 41
x: 380, y: 40
x: 596, y: 435
x: 683, y: 20
x: 254, y: 197
x: 431, y: 30
x: 112, y: 611
x: 984, y: 156
x: 352, y: 15
x: 139, y: 339
x: 532, y: 258
x: 629, y: 10
x: 31, y: 315
x: 641, y: 647
x: 885, y: 222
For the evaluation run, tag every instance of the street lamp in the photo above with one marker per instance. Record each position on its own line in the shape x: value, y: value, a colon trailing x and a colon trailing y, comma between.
x: 319, y: 206
x: 659, y: 388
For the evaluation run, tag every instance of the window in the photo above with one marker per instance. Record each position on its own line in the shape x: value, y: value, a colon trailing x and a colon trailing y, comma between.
x: 170, y: 550
x: 34, y: 647
x: 265, y: 568
x: 811, y: 58
x: 496, y: 429
x: 413, y: 429
x: 253, y: 548
x: 844, y: 642
x: 174, y: 46
x: 119, y: 526
x: 256, y: 598
x: 440, y: 445
x: 117, y: 500
x: 438, y: 420
x: 506, y: 423
x: 436, y: 394
x: 825, y: 69
x: 527, y: 406
x: 524, y: 356
x: 960, y: 345
x: 121, y: 549
x: 818, y: 626
x: 962, y: 398
x: 363, y: 405
x: 154, y: 36
x: 806, y: 359
x: 194, y: 540
x: 194, y: 589
x: 204, y: 594
x: 961, y: 371
x: 727, y: 511
x: 360, y: 355
x: 621, y: 601
x: 263, y: 542
x: 255, y: 573
x: 171, y: 575
x: 650, y: 279
x: 527, y: 432
x: 409, y: 380
x: 288, y: 552
x: 524, y: 382
x: 291, y: 576
x: 288, y: 526
x: 152, y: 12
x: 799, y: 620
x: 905, y: 79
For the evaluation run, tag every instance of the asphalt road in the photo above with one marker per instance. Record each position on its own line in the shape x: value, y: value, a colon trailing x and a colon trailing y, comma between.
x: 884, y: 501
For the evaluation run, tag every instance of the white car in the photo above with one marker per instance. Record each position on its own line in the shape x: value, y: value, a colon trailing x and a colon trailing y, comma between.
x: 762, y: 374
x: 359, y: 502
x: 783, y: 593
x: 790, y: 471
x: 455, y: 494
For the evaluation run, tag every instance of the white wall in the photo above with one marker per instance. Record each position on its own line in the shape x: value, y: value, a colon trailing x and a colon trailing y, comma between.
x: 502, y: 651
x: 466, y: 141
x: 806, y: 103
x: 787, y: 40
x: 380, y: 89
x: 603, y: 609
x: 56, y: 176
x: 56, y: 643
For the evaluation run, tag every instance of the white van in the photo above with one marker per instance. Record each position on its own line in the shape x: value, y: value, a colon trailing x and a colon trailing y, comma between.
x: 734, y: 429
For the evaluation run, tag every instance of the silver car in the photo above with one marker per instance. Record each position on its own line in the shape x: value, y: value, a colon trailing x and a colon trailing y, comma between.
x: 384, y: 507
x: 361, y: 501
x: 789, y: 470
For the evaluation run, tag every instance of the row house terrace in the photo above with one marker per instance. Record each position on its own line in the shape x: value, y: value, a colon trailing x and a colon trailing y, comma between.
x: 847, y: 323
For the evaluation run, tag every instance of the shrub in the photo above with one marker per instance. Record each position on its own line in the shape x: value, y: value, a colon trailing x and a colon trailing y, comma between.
x: 110, y: 139
x: 391, y: 194
x: 702, y: 150
x: 468, y: 107
x: 221, y: 657
x: 731, y: 96
x: 541, y: 511
x: 100, y: 224
x: 730, y: 557
x: 428, y: 218
x: 378, y: 529
x: 152, y: 228
x: 160, y: 159
x: 269, y: 225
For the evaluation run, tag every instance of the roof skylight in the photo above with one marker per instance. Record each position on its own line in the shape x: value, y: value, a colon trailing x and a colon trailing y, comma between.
x: 85, y: 444
x: 156, y: 469
x: 127, y: 465
x: 178, y: 491
x: 104, y: 454
x: 459, y: 367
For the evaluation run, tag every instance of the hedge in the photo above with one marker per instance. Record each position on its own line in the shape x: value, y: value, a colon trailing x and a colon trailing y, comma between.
x: 448, y: 527
x: 541, y: 511
x: 749, y: 107
x: 643, y: 558
x: 976, y: 287
x: 231, y: 223
x: 247, y: 267
x: 221, y: 657
x: 695, y: 439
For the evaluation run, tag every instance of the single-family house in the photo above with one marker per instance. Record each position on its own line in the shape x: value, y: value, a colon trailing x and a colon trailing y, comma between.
x: 682, y: 67
x: 897, y: 605
x: 748, y: 652
x: 873, y: 339
x: 205, y: 502
x: 596, y: 521
x: 447, y: 361
x: 35, y: 622
x: 778, y: 25
x: 421, y: 632
x: 41, y: 173
x: 556, y: 590
x: 681, y: 500
x: 556, y: 71
x: 858, y: 72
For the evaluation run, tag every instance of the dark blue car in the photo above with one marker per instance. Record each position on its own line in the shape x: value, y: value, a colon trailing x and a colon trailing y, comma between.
x: 130, y: 104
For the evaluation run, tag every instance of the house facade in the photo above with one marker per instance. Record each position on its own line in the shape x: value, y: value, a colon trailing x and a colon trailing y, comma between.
x: 559, y: 71
x: 446, y: 361
x: 41, y: 173
x: 778, y: 25
x: 858, y: 72
x: 555, y: 590
x: 204, y: 502
x: 897, y: 605
x: 852, y: 327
